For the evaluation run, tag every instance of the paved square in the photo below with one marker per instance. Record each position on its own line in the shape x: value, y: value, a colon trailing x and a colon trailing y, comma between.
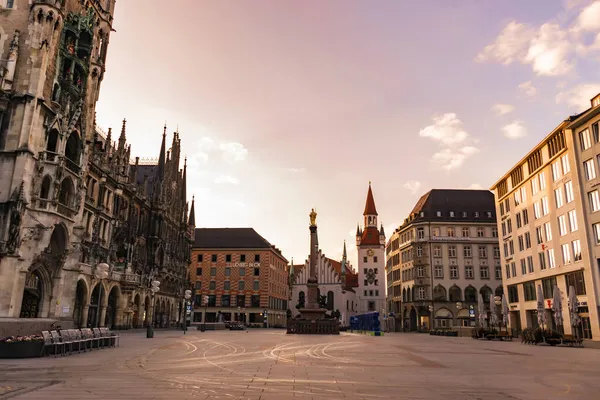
x: 268, y: 364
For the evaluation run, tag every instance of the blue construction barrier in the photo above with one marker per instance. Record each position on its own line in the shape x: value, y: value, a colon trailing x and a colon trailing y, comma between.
x: 366, y: 324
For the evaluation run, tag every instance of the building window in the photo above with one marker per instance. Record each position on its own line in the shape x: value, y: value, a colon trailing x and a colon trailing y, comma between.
x: 558, y: 197
x: 537, y: 211
x: 465, y: 232
x: 542, y: 258
x: 529, y: 291
x: 450, y: 232
x: 226, y: 285
x: 375, y: 259
x: 496, y: 252
x: 227, y: 271
x: 469, y: 272
x: 545, y: 209
x: 594, y: 199
x: 484, y: 272
x: 439, y: 271
x: 200, y: 257
x: 576, y: 250
x: 212, y: 285
x: 513, y: 267
x: 256, y: 285
x: 451, y: 251
x: 213, y: 258
x: 535, y: 187
x: 467, y: 251
x: 565, y: 164
x: 242, y: 271
x: 551, y: 260
x: 513, y: 294
x: 257, y: 258
x: 576, y: 280
x: 436, y: 232
x: 585, y: 139
x: 542, y: 177
x: 227, y: 257
x: 241, y: 285
x: 596, y: 229
x: 480, y: 232
x: 198, y: 271
x: 495, y: 232
x: 590, y: 170
x: 566, y: 253
x: 242, y: 258
x: 437, y: 250
x: 562, y: 225
x: 213, y: 271
x: 365, y: 259
x: 507, y: 268
x: 482, y: 252
x: 225, y: 300
x: 420, y: 233
x: 498, y: 272
x: 573, y: 220
x: 453, y: 272
x: 530, y: 264
x: 569, y: 191
x: 256, y: 271
x: 438, y: 213
x: 525, y: 217
x: 548, y: 231
x: 198, y: 285
x: 10, y: 3
x: 556, y: 171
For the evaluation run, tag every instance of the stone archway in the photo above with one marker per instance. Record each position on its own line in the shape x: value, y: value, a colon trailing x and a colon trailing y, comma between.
x: 112, y: 308
x: 136, y: 311
x: 95, y: 308
x: 413, y: 319
x: 36, y: 294
x: 79, y: 309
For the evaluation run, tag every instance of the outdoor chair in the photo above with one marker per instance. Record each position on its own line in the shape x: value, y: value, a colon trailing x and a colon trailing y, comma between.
x: 105, y: 342
x: 49, y: 344
x: 76, y: 340
x: 57, y: 342
x: 84, y: 342
x: 113, y: 336
x: 65, y: 337
x: 89, y: 335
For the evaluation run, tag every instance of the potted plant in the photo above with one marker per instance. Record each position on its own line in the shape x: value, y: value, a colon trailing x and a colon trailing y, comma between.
x: 21, y: 346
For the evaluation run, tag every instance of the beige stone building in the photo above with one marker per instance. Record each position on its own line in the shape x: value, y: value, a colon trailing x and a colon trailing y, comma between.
x: 243, y: 276
x: 548, y: 206
x: 441, y: 258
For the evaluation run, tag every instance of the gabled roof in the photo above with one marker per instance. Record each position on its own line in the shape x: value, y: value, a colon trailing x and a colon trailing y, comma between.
x: 370, y: 205
x: 229, y: 238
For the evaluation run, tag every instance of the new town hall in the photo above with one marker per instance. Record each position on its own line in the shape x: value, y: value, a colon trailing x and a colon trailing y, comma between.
x: 83, y: 230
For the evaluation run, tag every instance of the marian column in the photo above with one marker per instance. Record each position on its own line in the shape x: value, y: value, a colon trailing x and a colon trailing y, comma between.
x: 312, y: 310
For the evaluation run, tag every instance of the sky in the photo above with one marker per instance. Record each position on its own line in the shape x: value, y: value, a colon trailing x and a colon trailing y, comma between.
x: 283, y: 106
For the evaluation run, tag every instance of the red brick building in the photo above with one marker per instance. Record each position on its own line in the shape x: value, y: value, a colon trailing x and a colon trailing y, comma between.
x: 242, y: 274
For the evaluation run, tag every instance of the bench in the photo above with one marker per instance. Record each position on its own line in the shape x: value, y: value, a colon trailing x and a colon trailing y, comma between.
x: 70, y: 340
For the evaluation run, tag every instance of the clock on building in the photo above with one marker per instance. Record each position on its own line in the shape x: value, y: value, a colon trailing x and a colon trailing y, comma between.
x: 370, y: 252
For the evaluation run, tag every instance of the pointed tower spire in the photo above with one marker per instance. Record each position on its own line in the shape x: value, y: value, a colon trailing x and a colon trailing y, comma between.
x: 344, y: 261
x: 161, y: 157
x: 370, y: 205
x: 122, y: 138
x: 192, y: 218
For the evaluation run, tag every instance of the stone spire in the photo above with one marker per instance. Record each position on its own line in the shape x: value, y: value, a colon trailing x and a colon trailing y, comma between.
x: 122, y: 138
x: 192, y: 217
x: 161, y: 157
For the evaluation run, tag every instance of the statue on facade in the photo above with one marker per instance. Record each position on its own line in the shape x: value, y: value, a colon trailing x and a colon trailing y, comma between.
x: 14, y: 232
x: 313, y: 217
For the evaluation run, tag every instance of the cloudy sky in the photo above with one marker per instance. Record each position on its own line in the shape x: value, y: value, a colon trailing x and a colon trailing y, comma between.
x: 286, y: 105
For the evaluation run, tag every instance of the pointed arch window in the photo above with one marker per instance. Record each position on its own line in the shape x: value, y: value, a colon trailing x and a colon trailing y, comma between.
x: 46, y: 185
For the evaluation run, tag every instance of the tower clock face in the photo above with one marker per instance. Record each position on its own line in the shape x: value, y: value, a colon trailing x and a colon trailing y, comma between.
x: 370, y: 252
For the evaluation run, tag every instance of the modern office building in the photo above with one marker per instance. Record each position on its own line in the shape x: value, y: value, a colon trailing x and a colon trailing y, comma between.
x: 441, y: 258
x: 243, y: 276
x: 548, y: 206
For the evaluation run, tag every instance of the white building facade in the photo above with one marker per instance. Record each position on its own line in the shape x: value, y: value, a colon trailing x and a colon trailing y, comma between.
x: 336, y: 280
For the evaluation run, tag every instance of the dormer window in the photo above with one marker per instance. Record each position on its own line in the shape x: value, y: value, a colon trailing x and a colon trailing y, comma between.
x: 422, y: 214
x: 464, y: 214
x: 438, y: 213
x: 451, y: 214
x: 489, y: 214
x: 476, y: 214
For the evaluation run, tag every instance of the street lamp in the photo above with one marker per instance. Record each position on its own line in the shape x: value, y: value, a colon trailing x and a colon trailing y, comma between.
x: 205, y: 298
x: 154, y: 288
x: 100, y: 273
x: 187, y: 296
x: 498, y: 302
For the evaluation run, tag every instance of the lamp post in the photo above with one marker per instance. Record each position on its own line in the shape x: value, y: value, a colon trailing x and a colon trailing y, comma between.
x: 154, y: 288
x: 187, y: 296
x: 205, y: 298
x: 498, y: 302
x: 459, y: 306
x: 430, y: 316
x: 100, y: 273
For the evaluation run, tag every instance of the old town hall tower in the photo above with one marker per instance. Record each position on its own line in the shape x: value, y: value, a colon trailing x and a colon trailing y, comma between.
x: 370, y: 243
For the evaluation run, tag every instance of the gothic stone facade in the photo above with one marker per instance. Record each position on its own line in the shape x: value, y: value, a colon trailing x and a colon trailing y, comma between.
x: 52, y: 56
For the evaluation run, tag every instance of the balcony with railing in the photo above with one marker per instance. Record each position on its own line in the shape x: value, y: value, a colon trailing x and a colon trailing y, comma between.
x: 65, y: 210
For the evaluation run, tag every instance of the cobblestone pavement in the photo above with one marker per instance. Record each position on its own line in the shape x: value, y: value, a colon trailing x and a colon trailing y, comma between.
x: 267, y: 364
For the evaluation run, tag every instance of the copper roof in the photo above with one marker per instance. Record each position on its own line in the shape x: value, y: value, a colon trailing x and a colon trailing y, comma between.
x: 370, y: 205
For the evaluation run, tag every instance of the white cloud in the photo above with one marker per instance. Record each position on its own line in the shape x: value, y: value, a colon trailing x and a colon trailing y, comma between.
x: 446, y: 129
x: 510, y: 46
x: 589, y: 18
x: 233, y: 152
x: 528, y: 89
x: 476, y: 186
x: 456, y: 143
x: 549, y: 51
x: 502, y: 109
x: 413, y: 186
x: 514, y: 130
x: 449, y: 159
x: 226, y: 179
x: 578, y: 98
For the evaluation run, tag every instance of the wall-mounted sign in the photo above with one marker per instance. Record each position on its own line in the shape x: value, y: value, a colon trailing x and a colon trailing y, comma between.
x: 241, y: 264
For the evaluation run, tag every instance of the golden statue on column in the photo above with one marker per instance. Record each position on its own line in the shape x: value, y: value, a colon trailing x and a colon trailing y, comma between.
x: 313, y: 217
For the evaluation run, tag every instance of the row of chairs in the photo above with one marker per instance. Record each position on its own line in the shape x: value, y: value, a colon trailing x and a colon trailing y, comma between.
x: 70, y: 340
